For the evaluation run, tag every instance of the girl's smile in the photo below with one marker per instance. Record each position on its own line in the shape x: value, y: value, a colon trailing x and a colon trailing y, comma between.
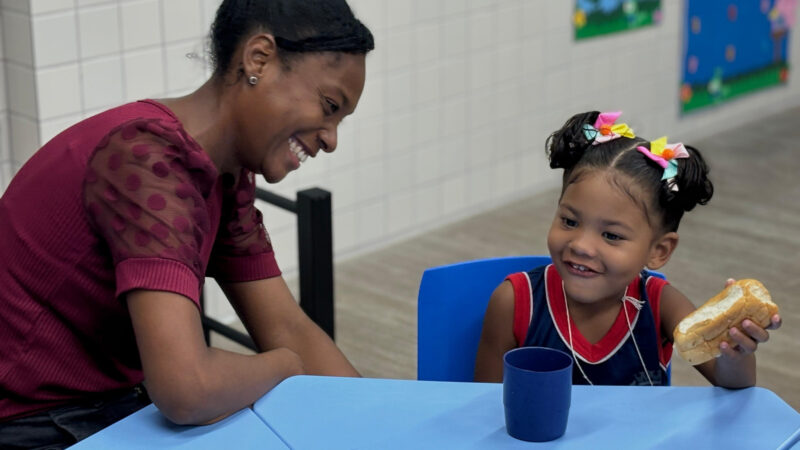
x: 580, y: 270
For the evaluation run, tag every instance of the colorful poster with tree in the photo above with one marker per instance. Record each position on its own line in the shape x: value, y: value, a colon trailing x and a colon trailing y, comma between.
x: 734, y: 47
x: 598, y: 17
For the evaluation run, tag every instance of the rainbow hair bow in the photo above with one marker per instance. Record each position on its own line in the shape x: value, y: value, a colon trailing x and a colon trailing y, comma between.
x: 666, y: 156
x: 605, y: 129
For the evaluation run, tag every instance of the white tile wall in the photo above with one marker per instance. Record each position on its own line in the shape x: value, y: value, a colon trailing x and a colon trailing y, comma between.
x: 17, y: 28
x: 182, y: 19
x: 24, y: 138
x: 46, y: 6
x: 49, y: 128
x: 344, y: 227
x: 21, y: 87
x: 95, y: 22
x: 55, y: 38
x: 401, y: 206
x: 82, y: 3
x: 144, y: 73
x: 346, y: 152
x: 3, y: 96
x: 16, y: 6
x: 101, y: 82
x: 59, y: 91
x: 139, y: 29
x: 183, y: 73
x: 399, y: 13
x: 459, y: 98
x: 6, y: 172
x: 5, y: 148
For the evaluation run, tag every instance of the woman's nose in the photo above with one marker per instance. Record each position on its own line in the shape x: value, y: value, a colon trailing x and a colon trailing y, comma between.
x: 328, y: 140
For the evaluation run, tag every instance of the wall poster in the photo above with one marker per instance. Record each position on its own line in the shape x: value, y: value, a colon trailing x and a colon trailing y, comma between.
x: 598, y: 17
x: 734, y: 47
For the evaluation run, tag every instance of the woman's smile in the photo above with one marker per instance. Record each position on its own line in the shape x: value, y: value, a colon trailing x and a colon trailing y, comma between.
x: 299, y: 150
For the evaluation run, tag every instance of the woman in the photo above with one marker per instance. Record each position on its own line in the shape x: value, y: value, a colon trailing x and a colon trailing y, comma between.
x: 107, y: 233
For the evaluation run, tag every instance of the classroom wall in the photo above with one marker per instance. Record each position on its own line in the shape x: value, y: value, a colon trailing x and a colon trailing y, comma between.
x: 7, y: 169
x: 459, y: 99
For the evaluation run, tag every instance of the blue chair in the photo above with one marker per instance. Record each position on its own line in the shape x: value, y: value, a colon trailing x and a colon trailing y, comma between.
x: 450, y: 307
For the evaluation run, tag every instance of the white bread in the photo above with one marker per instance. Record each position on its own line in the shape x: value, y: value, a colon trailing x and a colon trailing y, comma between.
x: 698, y: 335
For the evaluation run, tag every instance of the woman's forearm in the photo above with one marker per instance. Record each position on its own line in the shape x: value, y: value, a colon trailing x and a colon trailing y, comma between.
x: 220, y: 384
x: 274, y: 320
x: 319, y: 353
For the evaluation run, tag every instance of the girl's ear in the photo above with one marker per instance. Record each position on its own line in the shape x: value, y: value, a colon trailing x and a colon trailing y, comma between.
x: 661, y: 250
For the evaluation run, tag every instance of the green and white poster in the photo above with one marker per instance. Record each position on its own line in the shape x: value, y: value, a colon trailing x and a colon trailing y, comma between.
x: 598, y: 17
x: 734, y: 47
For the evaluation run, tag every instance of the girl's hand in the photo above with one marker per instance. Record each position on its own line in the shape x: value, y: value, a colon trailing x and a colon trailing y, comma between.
x: 745, y: 340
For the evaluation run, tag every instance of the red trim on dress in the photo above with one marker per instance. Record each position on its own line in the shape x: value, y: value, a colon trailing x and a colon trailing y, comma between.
x: 522, y: 306
x: 654, y: 288
x: 610, y: 342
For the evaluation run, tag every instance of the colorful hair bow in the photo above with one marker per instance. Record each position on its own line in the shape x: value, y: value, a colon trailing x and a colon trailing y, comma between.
x: 666, y: 155
x: 605, y: 129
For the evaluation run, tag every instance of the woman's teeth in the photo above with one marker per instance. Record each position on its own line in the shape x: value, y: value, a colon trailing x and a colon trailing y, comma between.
x: 297, y: 149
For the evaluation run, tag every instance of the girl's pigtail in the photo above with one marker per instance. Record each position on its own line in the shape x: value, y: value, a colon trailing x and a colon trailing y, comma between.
x: 566, y: 146
x: 694, y: 186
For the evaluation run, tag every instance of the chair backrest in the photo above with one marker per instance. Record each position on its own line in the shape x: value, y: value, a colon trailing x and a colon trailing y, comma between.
x: 450, y: 307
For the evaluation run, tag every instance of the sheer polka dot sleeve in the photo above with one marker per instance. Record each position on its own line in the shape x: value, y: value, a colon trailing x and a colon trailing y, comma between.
x: 243, y: 250
x: 145, y: 193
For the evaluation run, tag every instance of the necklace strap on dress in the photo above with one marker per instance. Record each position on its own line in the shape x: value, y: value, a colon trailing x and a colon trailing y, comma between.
x: 635, y: 301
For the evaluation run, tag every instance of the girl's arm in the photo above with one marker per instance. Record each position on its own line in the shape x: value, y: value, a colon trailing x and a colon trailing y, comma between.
x: 275, y: 320
x: 189, y: 382
x: 736, y: 366
x: 497, y: 336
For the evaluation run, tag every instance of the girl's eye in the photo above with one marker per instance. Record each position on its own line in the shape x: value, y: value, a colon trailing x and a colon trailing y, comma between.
x: 569, y: 223
x: 611, y: 236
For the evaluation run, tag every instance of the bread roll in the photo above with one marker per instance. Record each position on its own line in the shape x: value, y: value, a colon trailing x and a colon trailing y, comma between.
x: 698, y: 335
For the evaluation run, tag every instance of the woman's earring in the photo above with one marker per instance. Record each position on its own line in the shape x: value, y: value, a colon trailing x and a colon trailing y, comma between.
x: 252, y: 80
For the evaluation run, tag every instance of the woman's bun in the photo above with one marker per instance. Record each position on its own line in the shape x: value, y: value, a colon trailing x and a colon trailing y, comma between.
x: 698, y: 335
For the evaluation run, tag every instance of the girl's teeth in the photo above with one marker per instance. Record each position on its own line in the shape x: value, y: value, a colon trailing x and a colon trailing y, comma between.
x: 581, y: 268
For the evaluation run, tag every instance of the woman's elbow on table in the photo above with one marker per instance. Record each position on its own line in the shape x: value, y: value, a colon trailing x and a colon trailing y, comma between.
x: 184, y: 401
x: 222, y: 385
x: 180, y: 414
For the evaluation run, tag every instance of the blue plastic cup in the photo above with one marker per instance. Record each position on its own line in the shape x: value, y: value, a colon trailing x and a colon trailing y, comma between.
x: 537, y: 391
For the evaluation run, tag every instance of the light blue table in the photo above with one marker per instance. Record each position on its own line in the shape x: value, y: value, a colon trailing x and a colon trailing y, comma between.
x: 149, y: 429
x: 331, y: 413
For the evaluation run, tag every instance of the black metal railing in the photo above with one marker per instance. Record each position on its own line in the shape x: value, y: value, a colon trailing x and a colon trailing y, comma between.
x: 315, y: 261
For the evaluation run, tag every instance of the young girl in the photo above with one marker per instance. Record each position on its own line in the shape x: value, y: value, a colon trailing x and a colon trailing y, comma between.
x: 621, y: 202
